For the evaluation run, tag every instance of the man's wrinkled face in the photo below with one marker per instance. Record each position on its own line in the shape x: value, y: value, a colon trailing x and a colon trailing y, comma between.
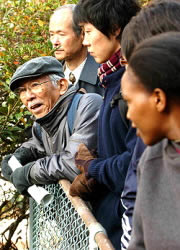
x: 62, y: 35
x: 39, y: 95
x: 99, y: 46
x: 142, y: 108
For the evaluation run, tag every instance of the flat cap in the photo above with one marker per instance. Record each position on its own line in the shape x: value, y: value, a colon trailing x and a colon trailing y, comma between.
x: 36, y: 67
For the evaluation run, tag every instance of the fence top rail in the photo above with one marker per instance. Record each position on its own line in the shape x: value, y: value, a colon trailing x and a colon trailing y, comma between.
x: 97, y: 232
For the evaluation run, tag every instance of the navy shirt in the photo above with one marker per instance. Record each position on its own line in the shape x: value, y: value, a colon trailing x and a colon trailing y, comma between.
x: 129, y: 193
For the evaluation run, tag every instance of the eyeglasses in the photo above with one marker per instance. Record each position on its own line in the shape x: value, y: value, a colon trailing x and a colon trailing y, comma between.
x: 35, y: 87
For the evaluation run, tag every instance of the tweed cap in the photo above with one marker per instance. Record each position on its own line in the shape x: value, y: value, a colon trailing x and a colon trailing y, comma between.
x: 36, y: 67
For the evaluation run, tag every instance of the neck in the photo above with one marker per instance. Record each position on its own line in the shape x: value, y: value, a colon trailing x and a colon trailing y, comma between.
x: 174, y: 124
x: 74, y: 62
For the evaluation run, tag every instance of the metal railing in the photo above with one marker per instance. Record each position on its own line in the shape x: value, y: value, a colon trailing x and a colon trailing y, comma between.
x: 65, y: 224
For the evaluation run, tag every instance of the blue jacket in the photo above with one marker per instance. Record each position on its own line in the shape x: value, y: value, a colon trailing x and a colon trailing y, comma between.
x: 129, y: 193
x: 115, y: 149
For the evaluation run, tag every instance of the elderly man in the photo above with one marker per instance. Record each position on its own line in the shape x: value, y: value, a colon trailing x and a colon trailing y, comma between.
x: 49, y: 155
x: 79, y: 67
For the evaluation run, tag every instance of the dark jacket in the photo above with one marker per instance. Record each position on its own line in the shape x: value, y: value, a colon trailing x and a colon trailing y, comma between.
x: 129, y: 193
x: 115, y: 149
x: 88, y: 79
x: 56, y: 143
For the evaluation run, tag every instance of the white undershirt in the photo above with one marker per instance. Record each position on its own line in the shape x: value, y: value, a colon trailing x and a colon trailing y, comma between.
x: 76, y: 72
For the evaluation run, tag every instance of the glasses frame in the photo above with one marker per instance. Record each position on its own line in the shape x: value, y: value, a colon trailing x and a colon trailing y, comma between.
x: 18, y: 91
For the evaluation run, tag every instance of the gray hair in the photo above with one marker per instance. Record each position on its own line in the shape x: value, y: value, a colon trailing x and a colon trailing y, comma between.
x: 76, y: 28
x: 66, y: 6
x: 54, y: 78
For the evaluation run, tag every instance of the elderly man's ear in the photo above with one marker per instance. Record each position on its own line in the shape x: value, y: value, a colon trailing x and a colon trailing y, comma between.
x: 63, y: 86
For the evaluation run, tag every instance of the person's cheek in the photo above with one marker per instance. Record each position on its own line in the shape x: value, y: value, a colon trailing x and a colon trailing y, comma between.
x: 129, y: 112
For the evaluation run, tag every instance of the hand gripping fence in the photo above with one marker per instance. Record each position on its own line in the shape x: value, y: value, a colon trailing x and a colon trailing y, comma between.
x: 65, y: 224
x: 39, y: 194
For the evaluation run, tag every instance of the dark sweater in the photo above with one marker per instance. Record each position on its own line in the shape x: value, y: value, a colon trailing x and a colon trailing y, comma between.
x: 157, y: 210
x: 129, y: 193
x: 115, y: 148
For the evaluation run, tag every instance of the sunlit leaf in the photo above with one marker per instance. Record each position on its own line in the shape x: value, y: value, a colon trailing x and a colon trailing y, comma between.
x: 16, y: 62
x: 41, y: 23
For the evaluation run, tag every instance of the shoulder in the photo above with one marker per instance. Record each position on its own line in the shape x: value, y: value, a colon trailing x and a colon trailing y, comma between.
x: 113, y: 80
x: 154, y: 152
x: 116, y: 76
x: 89, y: 104
x: 91, y: 98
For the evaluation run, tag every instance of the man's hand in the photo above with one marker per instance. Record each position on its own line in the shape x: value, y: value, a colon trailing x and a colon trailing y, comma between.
x: 20, y: 178
x: 83, y: 186
x: 22, y: 154
x: 83, y: 158
x: 5, y: 168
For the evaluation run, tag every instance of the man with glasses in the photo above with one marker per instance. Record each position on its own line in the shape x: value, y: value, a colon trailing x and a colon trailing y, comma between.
x: 49, y: 155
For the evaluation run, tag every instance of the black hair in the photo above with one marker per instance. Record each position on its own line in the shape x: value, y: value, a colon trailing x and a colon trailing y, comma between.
x: 158, y: 17
x: 106, y: 15
x: 155, y: 62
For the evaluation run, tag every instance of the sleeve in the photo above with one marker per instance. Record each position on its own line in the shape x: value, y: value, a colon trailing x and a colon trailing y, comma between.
x: 137, y: 239
x: 51, y: 169
x: 30, y: 150
x: 35, y: 143
x: 129, y: 194
x: 112, y: 171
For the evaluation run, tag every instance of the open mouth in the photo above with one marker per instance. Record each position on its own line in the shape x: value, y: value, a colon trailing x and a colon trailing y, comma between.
x: 36, y: 106
x: 58, y: 51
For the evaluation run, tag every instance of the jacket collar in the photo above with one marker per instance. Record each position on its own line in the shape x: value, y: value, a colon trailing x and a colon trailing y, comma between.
x: 87, y: 74
x: 52, y: 119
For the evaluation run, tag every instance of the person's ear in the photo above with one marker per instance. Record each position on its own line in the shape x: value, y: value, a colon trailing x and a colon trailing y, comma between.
x: 63, y: 86
x: 160, y: 99
x: 117, y: 32
x: 82, y: 35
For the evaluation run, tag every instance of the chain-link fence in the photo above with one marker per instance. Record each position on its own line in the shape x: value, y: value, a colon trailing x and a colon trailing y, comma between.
x: 65, y: 224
